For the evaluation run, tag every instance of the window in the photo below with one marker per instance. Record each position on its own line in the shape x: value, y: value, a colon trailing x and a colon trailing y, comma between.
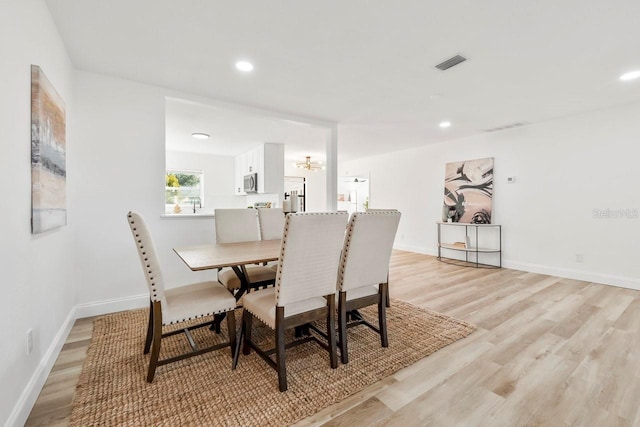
x: 183, y: 191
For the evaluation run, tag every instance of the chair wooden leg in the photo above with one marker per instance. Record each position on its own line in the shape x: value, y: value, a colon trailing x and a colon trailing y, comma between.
x: 387, y: 298
x: 331, y: 330
x: 382, y: 314
x: 217, y: 321
x: 247, y: 321
x: 231, y: 327
x: 147, y: 343
x: 157, y: 338
x: 342, y: 326
x: 236, y: 354
x: 280, y: 349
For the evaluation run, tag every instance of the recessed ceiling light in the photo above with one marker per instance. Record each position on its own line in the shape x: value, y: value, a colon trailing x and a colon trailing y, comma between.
x: 244, y: 66
x: 632, y: 75
x: 445, y: 124
x: 200, y: 135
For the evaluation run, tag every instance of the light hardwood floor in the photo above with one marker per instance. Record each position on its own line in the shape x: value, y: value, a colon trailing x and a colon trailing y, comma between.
x: 548, y: 351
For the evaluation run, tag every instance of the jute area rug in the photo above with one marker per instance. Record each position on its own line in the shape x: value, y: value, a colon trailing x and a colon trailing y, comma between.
x: 203, y: 390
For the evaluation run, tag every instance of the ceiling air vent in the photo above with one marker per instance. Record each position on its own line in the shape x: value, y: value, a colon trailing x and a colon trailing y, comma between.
x: 509, y: 126
x: 451, y: 62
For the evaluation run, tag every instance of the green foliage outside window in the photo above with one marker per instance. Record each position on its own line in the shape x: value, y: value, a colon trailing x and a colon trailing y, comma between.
x: 172, y: 180
x: 183, y: 187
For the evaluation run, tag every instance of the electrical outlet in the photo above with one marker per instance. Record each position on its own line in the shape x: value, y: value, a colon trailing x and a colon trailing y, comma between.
x: 511, y: 179
x: 579, y: 257
x: 29, y: 341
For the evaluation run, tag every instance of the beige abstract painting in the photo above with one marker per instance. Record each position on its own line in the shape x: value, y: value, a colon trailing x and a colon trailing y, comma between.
x: 468, y: 191
x: 48, y: 155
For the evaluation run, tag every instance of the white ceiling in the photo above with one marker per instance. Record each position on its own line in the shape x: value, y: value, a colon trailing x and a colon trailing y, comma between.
x: 369, y: 64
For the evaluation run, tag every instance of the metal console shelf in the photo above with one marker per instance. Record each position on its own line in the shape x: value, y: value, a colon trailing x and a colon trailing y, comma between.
x: 469, y: 246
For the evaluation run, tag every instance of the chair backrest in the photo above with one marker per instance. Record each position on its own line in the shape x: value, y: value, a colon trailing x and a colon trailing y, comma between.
x: 236, y: 225
x: 309, y: 256
x: 367, y: 249
x: 271, y: 223
x: 148, y: 256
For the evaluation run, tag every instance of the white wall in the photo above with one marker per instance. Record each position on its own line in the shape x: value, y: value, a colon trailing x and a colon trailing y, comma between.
x: 564, y: 170
x: 218, y: 178
x: 37, y: 270
x: 123, y: 166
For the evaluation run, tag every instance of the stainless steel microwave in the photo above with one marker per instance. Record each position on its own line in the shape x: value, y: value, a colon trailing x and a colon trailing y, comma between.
x: 251, y: 183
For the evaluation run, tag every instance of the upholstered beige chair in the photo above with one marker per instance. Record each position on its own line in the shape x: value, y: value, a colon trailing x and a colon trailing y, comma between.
x: 271, y: 222
x: 177, y: 305
x: 388, y: 302
x: 363, y: 273
x: 235, y: 226
x: 305, y: 287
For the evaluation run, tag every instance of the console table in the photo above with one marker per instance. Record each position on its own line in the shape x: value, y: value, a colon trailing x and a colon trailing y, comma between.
x: 471, y: 244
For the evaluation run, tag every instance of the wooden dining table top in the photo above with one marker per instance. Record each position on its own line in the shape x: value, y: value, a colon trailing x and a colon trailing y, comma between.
x: 206, y: 257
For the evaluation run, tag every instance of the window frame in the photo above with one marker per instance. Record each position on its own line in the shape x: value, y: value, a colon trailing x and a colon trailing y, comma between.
x: 169, y: 207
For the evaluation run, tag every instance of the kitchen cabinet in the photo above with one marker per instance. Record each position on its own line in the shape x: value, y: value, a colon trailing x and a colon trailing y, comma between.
x: 240, y: 166
x: 267, y: 160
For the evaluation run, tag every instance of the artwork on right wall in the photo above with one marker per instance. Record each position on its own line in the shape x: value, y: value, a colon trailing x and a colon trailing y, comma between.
x: 468, y: 191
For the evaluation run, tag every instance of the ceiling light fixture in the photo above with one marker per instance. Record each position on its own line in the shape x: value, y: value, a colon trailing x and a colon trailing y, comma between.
x: 200, y: 135
x: 309, y: 165
x: 632, y: 75
x: 445, y: 124
x: 245, y: 66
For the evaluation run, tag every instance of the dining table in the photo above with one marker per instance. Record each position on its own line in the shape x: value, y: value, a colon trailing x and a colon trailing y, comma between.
x: 234, y: 255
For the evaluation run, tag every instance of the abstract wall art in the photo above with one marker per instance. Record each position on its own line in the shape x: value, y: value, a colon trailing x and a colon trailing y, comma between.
x: 48, y: 155
x: 468, y: 191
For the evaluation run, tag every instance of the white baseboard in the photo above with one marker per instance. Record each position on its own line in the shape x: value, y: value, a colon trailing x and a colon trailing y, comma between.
x: 417, y: 249
x: 98, y: 308
x: 25, y: 403
x: 587, y: 276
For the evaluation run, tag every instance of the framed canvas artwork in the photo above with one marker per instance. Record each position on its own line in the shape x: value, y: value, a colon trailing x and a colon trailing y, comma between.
x: 468, y: 191
x: 48, y: 155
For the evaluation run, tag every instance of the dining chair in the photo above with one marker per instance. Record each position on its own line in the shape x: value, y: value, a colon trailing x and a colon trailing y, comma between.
x: 177, y: 305
x: 364, y: 272
x: 271, y: 222
x: 305, y: 288
x: 388, y: 302
x: 235, y: 226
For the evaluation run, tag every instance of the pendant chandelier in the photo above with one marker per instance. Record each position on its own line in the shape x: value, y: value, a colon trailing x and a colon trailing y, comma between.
x: 309, y: 165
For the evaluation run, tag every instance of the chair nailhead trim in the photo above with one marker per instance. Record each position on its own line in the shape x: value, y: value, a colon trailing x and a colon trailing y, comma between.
x: 198, y: 316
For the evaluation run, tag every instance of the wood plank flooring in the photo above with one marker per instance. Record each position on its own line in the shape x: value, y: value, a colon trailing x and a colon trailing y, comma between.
x: 548, y: 352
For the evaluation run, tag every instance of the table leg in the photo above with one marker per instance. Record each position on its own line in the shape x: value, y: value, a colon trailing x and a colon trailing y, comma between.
x: 242, y: 274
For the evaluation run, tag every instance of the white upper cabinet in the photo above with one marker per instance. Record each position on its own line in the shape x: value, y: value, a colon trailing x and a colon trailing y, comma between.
x: 267, y: 160
x: 240, y: 167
